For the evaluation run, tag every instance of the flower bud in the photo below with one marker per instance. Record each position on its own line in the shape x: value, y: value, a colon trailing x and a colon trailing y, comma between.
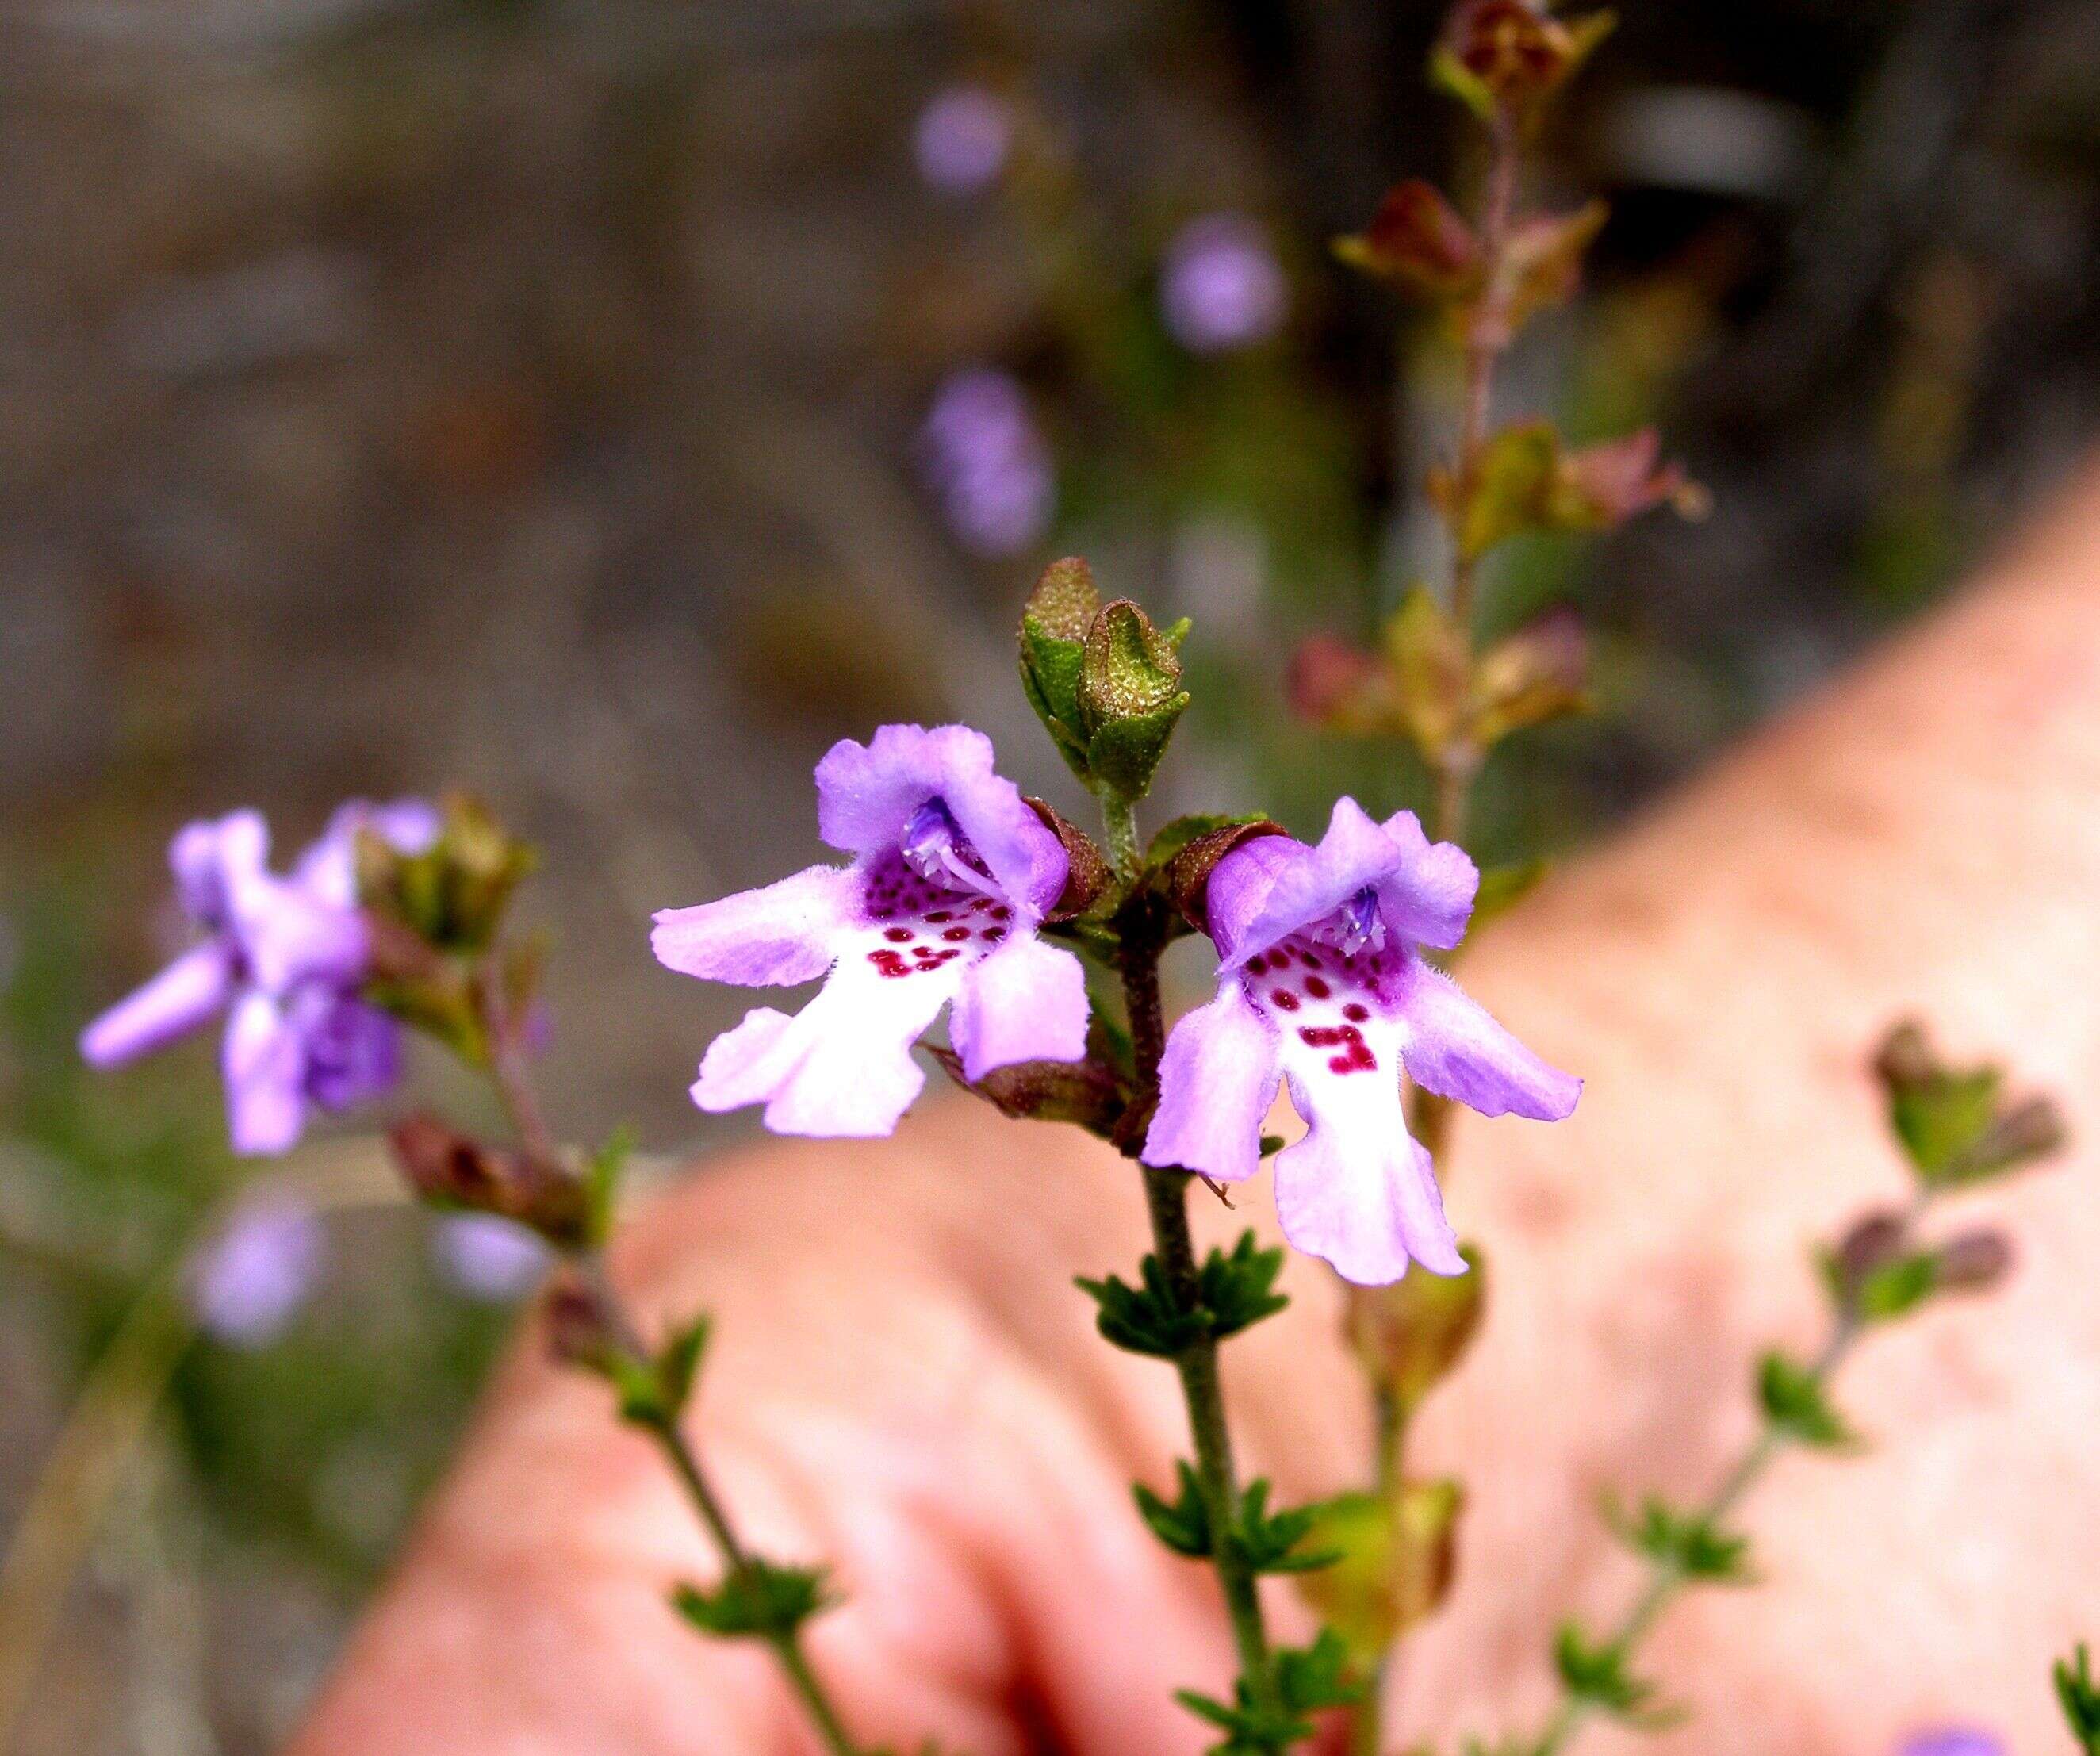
x: 1053, y: 634
x: 453, y: 895
x: 1083, y: 1092
x: 450, y: 1169
x: 1871, y: 1244
x: 1416, y: 239
x: 1412, y: 1334
x: 1502, y: 56
x: 1129, y: 697
x: 1975, y: 1261
x: 579, y: 1331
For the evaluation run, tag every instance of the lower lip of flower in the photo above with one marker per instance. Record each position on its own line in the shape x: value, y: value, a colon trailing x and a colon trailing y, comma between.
x: 1327, y: 1000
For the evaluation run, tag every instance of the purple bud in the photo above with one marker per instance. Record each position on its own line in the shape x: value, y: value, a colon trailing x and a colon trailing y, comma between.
x: 487, y: 1257
x: 962, y: 139
x: 1221, y: 287
x: 247, y: 1283
x: 983, y: 455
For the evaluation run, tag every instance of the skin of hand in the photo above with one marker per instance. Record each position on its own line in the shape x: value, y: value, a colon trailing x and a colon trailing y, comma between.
x: 904, y: 1382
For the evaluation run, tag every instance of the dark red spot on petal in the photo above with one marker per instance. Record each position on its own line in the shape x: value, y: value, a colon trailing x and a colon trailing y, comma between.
x: 1283, y: 1000
x: 1358, y: 1012
x: 956, y: 933
x: 1318, y: 987
x: 942, y: 914
x: 897, y: 935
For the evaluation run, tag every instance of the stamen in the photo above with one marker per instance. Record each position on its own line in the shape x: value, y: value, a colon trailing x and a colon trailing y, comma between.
x: 933, y: 847
x: 1355, y: 924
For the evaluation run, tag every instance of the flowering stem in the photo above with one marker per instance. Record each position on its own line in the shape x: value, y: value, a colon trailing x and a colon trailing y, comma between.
x: 1121, y: 823
x: 512, y: 1080
x: 1486, y: 337
x: 685, y: 1464
x: 1166, y: 1199
x: 1666, y: 1575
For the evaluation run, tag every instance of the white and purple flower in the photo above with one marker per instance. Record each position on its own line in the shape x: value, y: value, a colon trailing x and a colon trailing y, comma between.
x: 962, y: 138
x: 952, y: 874
x: 283, y: 958
x: 983, y: 455
x: 1322, y: 983
x: 250, y: 1281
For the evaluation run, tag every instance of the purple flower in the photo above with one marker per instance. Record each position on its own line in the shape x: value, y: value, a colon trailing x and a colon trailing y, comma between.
x: 283, y: 958
x: 983, y: 455
x: 1954, y: 1740
x: 1220, y: 287
x: 487, y: 1256
x: 952, y: 873
x: 962, y: 138
x: 1322, y: 981
x: 247, y: 1283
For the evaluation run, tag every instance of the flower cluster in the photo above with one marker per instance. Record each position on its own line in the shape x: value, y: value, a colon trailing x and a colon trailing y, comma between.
x: 1322, y: 983
x: 284, y: 957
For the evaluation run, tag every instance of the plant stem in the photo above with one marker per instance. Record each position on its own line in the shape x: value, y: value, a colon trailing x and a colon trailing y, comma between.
x: 512, y: 1078
x: 685, y: 1464
x: 1486, y: 336
x: 1120, y: 821
x: 1166, y: 1204
x: 1666, y: 1578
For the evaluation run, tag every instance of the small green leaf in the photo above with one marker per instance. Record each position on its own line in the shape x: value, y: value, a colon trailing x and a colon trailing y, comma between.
x: 1896, y: 1288
x: 1311, y: 1678
x: 1232, y: 1292
x: 1794, y: 1401
x: 1185, y: 1525
x: 2079, y: 1698
x: 679, y: 1363
x: 1685, y: 1542
x: 1274, y: 1542
x: 758, y: 1600
x: 602, y: 1174
x: 1239, y: 1290
x: 1599, y: 1675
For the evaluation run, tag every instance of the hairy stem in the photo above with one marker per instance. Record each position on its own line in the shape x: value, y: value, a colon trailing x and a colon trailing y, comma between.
x: 1166, y: 1204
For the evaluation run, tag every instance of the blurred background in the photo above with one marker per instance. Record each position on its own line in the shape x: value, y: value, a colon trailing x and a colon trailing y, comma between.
x: 604, y: 404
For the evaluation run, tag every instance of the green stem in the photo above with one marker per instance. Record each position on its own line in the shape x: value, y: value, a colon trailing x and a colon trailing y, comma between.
x: 512, y: 1078
x: 685, y: 1464
x: 1120, y: 820
x: 1166, y: 1204
x: 1666, y: 1578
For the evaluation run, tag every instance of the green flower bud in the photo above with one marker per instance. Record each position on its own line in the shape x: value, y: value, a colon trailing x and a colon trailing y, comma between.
x: 1129, y: 698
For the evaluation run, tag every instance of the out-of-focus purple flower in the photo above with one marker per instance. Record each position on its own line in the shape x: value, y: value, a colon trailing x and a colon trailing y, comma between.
x: 984, y: 456
x: 283, y: 958
x: 1321, y: 981
x: 952, y: 873
x: 247, y: 1283
x: 1954, y: 1740
x: 962, y: 139
x: 488, y: 1257
x: 1220, y: 287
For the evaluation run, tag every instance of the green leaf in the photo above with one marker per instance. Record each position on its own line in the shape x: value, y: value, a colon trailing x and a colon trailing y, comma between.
x: 1272, y: 1543
x: 1940, y: 1120
x: 1232, y: 1291
x: 2079, y: 1698
x: 1053, y: 633
x: 1123, y: 756
x: 756, y: 1601
x: 1598, y: 1674
x: 1794, y: 1401
x: 679, y: 1363
x: 1451, y: 76
x: 1896, y: 1288
x: 602, y: 1174
x: 1185, y: 1525
x: 1311, y: 1678
x: 1686, y: 1542
x: 1173, y: 836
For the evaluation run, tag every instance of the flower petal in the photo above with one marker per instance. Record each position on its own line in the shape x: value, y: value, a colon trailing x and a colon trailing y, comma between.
x: 206, y: 857
x: 774, y: 937
x: 1027, y: 1001
x: 842, y: 1067
x: 1239, y: 885
x: 1216, y: 1081
x: 1455, y: 1049
x: 181, y: 997
x: 1365, y: 1208
x: 1357, y: 1190
x: 1356, y: 852
x: 352, y: 1051
x: 264, y: 1062
x: 866, y: 794
x: 1428, y: 897
x: 288, y: 936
